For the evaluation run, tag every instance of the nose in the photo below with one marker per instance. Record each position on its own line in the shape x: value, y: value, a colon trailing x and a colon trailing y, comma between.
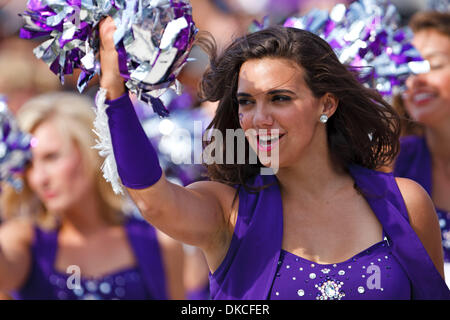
x: 262, y: 117
x: 415, y: 81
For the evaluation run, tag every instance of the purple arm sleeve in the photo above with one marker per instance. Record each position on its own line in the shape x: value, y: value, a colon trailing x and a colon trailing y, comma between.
x: 136, y: 159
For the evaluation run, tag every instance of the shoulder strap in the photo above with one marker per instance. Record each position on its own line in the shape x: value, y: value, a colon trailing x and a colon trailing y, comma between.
x: 386, y: 201
x: 45, y: 248
x: 249, y: 267
x: 414, y: 161
x: 43, y: 251
x: 145, y: 245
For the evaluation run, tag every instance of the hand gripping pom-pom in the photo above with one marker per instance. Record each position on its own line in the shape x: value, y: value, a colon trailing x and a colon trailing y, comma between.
x: 153, y: 39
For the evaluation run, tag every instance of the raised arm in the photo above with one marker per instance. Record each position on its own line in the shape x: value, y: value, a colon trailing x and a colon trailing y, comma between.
x: 199, y: 214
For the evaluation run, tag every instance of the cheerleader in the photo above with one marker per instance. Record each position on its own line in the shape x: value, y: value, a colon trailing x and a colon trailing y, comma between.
x: 425, y: 148
x: 326, y: 225
x: 65, y: 236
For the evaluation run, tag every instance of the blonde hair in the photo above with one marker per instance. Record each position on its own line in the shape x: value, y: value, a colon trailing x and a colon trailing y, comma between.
x: 74, y: 115
x: 19, y: 71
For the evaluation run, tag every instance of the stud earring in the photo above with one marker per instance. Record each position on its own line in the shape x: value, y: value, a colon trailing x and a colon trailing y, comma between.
x: 323, y: 118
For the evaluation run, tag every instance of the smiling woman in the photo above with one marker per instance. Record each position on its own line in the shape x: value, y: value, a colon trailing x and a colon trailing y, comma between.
x: 307, y: 231
x: 287, y: 72
x: 425, y: 157
x: 280, y: 102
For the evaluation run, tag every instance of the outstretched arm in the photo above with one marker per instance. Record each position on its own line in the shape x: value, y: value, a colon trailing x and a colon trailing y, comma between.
x: 199, y: 214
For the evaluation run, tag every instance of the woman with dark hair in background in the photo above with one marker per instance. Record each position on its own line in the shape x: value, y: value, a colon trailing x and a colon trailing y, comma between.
x: 327, y: 225
x: 425, y: 148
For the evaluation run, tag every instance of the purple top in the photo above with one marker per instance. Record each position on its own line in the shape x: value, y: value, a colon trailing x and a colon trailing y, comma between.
x: 251, y: 263
x: 145, y: 281
x: 126, y: 284
x: 371, y: 274
x: 414, y: 162
x: 201, y: 293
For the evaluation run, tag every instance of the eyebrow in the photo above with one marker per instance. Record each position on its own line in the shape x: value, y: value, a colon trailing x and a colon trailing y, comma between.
x: 271, y: 92
x: 280, y: 91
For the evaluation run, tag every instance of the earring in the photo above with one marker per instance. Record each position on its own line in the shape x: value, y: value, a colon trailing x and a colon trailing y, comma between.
x: 323, y: 118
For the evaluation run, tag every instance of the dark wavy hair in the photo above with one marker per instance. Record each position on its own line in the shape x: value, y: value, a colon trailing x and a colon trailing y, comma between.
x: 364, y: 130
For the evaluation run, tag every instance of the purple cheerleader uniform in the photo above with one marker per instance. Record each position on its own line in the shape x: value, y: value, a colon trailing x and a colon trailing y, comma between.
x: 371, y: 274
x: 414, y: 162
x: 256, y: 268
x: 145, y: 281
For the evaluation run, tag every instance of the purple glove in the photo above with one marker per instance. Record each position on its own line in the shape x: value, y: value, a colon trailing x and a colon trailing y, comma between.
x: 136, y: 159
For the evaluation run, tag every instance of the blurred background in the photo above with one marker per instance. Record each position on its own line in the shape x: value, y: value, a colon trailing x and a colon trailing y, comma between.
x: 23, y: 76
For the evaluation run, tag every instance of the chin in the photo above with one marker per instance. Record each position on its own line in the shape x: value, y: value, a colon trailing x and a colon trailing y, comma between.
x: 275, y: 166
x: 57, y: 206
x: 427, y: 119
x: 427, y: 115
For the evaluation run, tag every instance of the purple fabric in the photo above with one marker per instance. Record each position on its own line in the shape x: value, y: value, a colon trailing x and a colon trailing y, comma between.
x: 372, y: 274
x: 137, y: 161
x: 123, y: 285
x: 122, y: 56
x: 414, y: 162
x: 201, y: 293
x: 249, y: 267
x: 146, y: 281
x: 247, y: 271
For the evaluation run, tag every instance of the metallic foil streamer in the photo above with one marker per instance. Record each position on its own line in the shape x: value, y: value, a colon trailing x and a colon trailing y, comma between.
x: 366, y: 35
x: 178, y: 139
x: 439, y: 5
x: 15, y: 147
x: 153, y: 39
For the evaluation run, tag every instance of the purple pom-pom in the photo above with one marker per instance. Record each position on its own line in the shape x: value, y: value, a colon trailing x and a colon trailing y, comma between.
x: 15, y: 147
x: 366, y: 35
x: 153, y: 39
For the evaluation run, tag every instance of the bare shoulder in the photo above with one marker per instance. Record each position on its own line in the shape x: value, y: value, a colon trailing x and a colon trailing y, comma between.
x: 18, y: 230
x: 423, y: 219
x: 418, y: 202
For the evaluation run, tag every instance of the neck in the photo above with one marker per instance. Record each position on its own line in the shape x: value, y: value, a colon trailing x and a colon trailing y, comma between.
x: 438, y: 141
x: 310, y: 177
x: 84, y: 218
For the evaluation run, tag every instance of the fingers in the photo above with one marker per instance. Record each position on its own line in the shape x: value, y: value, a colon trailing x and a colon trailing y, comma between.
x: 110, y: 78
x: 107, y: 28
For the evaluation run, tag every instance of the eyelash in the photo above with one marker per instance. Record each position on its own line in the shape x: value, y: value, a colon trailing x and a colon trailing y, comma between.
x: 281, y: 98
x: 245, y: 102
x: 51, y: 156
x: 436, y: 66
